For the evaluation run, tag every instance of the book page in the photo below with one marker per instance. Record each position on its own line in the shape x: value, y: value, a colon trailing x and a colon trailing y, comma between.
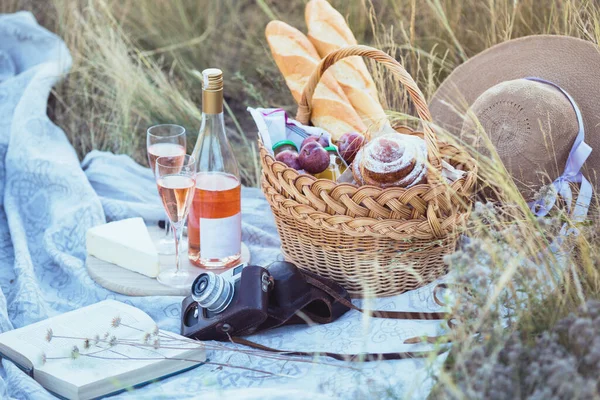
x: 71, y: 329
x: 101, y: 361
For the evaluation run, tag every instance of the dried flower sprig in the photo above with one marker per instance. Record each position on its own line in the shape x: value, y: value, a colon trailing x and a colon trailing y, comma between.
x: 105, y: 347
x: 116, y: 322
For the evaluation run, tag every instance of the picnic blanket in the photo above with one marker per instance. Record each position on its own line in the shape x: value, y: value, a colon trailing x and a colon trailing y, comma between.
x: 48, y: 200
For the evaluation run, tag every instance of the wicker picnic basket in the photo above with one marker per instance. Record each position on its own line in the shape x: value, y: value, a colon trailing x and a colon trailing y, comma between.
x: 370, y: 240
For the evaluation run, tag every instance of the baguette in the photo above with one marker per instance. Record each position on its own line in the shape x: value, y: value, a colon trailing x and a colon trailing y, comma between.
x: 297, y: 58
x: 328, y: 31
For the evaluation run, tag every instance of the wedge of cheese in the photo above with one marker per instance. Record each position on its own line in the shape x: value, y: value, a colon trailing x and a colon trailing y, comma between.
x: 125, y: 243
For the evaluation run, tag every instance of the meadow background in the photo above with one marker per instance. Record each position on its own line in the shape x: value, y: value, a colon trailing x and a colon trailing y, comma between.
x: 133, y: 59
x: 133, y: 67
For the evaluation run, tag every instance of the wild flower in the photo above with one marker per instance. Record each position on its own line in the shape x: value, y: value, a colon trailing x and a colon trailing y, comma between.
x: 494, y: 355
x: 116, y: 322
x: 49, y: 335
x: 75, y: 352
x: 563, y: 363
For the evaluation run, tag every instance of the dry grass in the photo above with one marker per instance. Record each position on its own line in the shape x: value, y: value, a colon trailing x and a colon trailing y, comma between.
x: 132, y: 68
x: 133, y: 58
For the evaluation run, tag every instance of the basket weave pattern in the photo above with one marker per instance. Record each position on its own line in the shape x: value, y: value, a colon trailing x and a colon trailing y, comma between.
x: 372, y: 241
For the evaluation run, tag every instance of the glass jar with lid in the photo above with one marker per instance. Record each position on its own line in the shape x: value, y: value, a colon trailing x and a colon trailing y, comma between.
x: 283, y: 145
x: 336, y: 167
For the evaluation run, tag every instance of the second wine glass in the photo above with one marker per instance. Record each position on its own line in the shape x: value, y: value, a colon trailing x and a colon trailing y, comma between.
x: 176, y: 183
x: 166, y: 140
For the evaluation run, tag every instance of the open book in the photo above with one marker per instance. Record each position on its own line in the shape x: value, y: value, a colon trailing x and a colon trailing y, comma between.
x: 123, y: 349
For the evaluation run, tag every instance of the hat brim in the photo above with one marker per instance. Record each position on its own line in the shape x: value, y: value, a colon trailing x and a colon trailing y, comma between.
x: 571, y: 63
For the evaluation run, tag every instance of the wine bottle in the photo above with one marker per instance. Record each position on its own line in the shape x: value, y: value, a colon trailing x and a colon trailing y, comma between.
x: 215, y: 220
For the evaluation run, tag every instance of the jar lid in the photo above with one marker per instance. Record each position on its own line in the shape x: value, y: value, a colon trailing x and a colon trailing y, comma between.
x: 283, y: 143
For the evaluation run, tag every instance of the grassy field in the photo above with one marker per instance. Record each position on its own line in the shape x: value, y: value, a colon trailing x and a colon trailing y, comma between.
x: 133, y: 58
x: 133, y: 67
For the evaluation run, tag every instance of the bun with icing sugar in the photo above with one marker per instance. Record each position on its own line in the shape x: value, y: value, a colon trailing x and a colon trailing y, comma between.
x: 297, y: 58
x: 328, y: 31
x: 391, y: 160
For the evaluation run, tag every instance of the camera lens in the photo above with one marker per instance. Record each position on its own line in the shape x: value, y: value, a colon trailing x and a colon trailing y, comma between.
x: 212, y: 291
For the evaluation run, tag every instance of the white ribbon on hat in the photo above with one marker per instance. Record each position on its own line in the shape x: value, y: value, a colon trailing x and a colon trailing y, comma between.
x: 572, y: 173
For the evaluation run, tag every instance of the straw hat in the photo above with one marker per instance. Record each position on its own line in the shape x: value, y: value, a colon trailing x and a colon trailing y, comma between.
x: 532, y: 124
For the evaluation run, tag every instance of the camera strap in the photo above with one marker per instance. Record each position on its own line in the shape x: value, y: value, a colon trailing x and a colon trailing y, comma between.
x: 358, y: 357
x: 363, y: 357
x: 376, y: 313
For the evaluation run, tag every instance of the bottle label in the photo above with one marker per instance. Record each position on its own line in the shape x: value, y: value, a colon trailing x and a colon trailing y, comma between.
x: 220, y: 237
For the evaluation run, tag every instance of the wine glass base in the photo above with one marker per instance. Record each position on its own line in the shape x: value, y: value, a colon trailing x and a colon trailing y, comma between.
x: 176, y: 279
x: 166, y: 246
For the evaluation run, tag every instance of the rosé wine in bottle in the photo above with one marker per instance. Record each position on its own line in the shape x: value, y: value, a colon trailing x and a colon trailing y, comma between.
x: 215, y: 219
x: 215, y: 210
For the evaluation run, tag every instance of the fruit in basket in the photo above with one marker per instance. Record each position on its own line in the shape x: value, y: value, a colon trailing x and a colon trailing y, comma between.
x: 313, y: 157
x: 349, y: 144
x: 289, y: 158
x: 322, y: 140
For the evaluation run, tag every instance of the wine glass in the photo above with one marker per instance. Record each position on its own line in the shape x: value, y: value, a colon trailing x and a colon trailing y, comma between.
x: 176, y: 180
x: 165, y: 140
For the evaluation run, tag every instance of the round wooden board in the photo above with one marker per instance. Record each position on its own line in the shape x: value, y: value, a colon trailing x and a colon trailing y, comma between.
x: 131, y: 283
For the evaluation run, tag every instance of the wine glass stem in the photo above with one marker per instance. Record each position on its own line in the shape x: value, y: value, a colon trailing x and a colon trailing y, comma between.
x: 177, y: 231
x: 168, y: 227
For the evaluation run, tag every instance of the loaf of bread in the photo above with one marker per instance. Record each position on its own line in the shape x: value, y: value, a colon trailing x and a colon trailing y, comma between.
x: 328, y: 31
x: 297, y: 58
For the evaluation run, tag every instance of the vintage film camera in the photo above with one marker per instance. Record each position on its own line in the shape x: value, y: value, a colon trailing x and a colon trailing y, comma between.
x: 244, y: 300
x: 233, y: 302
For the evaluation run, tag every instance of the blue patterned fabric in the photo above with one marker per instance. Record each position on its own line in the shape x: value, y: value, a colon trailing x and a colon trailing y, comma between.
x: 48, y: 200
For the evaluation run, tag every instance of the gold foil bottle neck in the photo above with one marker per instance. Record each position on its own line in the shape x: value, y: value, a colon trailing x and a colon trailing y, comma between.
x: 212, y: 91
x: 212, y: 79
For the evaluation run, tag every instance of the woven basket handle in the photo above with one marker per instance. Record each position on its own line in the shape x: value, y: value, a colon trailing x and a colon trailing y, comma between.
x: 304, y: 108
